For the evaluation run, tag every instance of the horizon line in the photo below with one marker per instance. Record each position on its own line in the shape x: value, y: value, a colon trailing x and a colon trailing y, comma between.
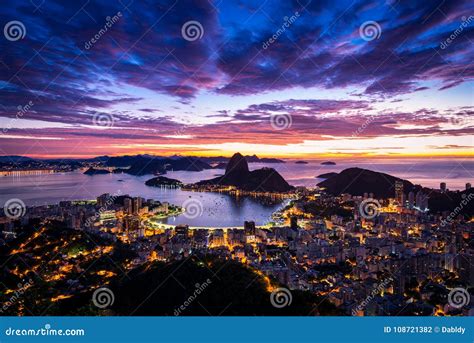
x: 230, y: 154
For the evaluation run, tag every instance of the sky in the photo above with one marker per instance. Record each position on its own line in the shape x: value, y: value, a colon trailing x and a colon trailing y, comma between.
x: 294, y: 78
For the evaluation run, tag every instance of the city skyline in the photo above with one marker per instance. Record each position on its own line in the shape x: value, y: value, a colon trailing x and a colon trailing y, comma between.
x: 295, y: 80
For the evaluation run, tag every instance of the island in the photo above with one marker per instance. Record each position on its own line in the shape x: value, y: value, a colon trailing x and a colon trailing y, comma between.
x: 301, y: 162
x: 161, y: 181
x: 93, y: 171
x: 328, y: 163
x: 238, y: 175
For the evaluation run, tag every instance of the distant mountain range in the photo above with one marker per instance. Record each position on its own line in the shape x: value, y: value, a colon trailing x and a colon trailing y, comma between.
x: 238, y: 174
x: 131, y: 164
x: 14, y: 159
x: 248, y: 158
x: 147, y: 165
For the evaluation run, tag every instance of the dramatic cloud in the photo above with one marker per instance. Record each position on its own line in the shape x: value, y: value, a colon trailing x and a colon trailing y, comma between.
x: 111, y: 77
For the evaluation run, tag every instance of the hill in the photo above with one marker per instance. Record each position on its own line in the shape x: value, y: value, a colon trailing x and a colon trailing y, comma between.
x: 237, y: 174
x: 357, y: 181
x: 225, y: 288
x: 157, y: 165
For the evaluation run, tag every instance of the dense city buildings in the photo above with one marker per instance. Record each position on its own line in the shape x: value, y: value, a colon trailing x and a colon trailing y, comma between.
x: 365, y: 256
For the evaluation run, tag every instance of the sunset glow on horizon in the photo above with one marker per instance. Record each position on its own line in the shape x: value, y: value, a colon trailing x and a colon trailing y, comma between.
x: 320, y: 90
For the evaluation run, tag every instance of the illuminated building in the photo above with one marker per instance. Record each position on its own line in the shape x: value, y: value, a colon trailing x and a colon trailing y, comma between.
x: 399, y: 196
x: 127, y: 204
x: 182, y: 231
x: 411, y: 200
x: 103, y: 199
x: 137, y: 204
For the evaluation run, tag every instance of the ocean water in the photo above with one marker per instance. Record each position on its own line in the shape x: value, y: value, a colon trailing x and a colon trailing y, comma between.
x: 428, y: 173
x: 218, y: 210
x: 221, y: 210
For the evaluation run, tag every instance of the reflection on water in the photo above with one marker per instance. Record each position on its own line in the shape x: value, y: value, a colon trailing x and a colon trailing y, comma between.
x: 225, y: 211
x: 220, y: 210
